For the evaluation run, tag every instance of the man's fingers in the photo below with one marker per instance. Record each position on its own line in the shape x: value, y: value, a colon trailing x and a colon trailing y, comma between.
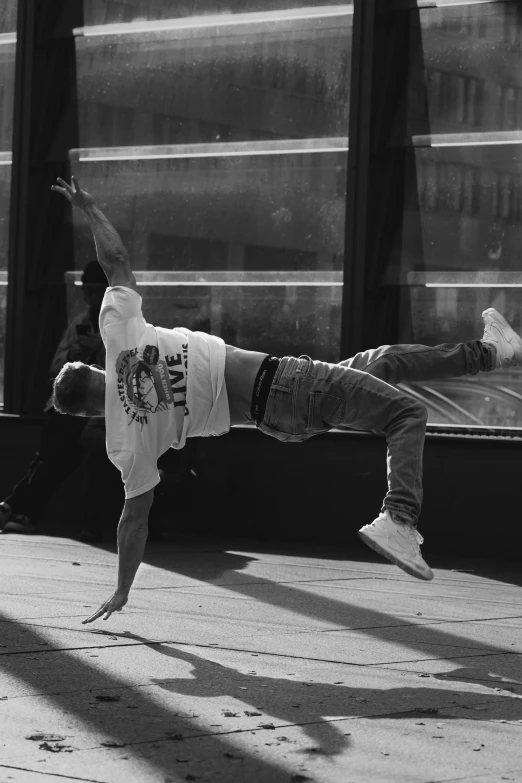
x: 106, y: 609
x: 76, y: 185
x: 95, y: 615
x: 64, y: 184
x: 92, y: 618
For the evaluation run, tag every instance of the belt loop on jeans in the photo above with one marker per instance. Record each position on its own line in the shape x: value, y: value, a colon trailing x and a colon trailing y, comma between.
x: 305, y: 369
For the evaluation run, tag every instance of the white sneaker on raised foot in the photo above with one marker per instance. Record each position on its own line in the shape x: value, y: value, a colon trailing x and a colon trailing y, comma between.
x: 400, y: 543
x: 507, y: 342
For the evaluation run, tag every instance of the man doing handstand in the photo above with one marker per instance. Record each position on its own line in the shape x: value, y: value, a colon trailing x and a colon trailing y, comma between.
x: 162, y: 386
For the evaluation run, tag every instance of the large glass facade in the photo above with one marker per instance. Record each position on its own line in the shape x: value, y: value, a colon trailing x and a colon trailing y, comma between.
x: 215, y: 136
x: 7, y: 69
x: 462, y: 231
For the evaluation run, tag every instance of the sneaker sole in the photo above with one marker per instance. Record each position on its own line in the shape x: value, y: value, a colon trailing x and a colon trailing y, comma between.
x: 401, y: 564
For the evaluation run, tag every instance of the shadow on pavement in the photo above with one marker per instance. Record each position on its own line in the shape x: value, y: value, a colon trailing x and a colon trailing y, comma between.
x: 494, y: 664
x: 290, y: 701
x: 62, y: 669
x: 78, y: 682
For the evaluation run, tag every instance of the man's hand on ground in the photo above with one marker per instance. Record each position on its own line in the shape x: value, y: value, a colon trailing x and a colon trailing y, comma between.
x: 115, y: 604
x: 73, y: 193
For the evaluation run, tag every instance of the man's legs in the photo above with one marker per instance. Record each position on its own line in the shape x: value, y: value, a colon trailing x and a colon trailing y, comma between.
x: 500, y: 347
x: 410, y: 363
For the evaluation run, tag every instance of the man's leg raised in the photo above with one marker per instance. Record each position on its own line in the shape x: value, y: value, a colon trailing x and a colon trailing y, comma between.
x: 499, y: 348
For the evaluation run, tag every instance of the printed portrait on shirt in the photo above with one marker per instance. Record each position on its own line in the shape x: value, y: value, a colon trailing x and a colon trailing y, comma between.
x: 148, y: 384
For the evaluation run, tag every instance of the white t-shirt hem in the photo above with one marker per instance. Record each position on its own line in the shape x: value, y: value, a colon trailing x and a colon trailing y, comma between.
x: 135, y: 492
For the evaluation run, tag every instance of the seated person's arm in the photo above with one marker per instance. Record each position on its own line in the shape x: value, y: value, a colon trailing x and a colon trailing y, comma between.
x: 133, y: 529
x: 112, y: 255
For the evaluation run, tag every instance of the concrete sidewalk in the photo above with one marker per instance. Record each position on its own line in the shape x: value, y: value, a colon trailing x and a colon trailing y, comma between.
x: 247, y: 662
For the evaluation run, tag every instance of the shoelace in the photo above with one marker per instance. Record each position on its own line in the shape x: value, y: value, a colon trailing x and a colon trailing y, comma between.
x: 418, y: 536
x: 494, y: 334
x: 410, y: 531
x: 415, y: 537
x: 489, y: 336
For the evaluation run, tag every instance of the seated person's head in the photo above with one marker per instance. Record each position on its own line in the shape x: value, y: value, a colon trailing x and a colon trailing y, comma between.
x: 79, y: 390
x: 94, y: 283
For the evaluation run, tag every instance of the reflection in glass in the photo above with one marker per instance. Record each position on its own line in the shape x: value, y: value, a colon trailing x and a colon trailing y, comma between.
x: 215, y: 135
x: 8, y: 13
x: 462, y: 224
x: 262, y: 79
x: 271, y: 213
x: 472, y: 59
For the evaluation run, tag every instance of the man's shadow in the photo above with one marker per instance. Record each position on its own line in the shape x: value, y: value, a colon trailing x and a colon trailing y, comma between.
x: 224, y: 569
x: 307, y: 704
x: 213, y: 565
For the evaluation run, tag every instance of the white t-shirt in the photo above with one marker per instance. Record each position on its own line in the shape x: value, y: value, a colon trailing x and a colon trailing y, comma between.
x: 162, y: 386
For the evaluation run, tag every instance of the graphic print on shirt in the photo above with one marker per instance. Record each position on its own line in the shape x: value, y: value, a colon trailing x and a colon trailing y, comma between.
x: 148, y: 384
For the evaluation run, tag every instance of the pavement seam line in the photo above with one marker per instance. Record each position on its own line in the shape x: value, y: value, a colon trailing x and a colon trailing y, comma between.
x: 296, y: 633
x: 277, y: 655
x: 474, y: 777
x: 55, y: 774
x: 428, y: 623
x: 409, y: 624
x: 369, y: 716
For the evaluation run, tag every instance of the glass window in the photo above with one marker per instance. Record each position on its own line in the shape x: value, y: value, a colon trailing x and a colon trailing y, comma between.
x: 7, y: 70
x: 215, y: 136
x: 462, y: 230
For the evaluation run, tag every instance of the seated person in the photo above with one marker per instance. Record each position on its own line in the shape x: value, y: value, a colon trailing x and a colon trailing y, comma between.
x: 60, y: 451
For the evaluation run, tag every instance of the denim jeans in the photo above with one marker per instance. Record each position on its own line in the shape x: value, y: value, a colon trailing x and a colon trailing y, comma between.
x: 309, y: 397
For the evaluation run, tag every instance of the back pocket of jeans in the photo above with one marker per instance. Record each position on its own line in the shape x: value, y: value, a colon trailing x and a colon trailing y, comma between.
x: 324, y: 411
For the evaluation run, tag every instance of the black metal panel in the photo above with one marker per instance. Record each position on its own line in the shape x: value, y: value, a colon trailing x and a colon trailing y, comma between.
x: 357, y: 182
x: 41, y: 241
x: 386, y: 52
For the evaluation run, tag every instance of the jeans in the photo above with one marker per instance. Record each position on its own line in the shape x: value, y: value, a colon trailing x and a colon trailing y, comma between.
x: 310, y: 397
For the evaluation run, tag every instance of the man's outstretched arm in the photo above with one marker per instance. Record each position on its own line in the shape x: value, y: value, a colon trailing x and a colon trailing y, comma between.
x: 112, y: 254
x: 132, y: 536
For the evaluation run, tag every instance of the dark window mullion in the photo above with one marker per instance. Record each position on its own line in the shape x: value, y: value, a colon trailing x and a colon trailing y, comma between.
x: 40, y: 246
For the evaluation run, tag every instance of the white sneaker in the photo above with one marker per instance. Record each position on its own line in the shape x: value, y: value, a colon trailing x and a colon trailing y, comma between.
x: 507, y: 342
x: 400, y: 543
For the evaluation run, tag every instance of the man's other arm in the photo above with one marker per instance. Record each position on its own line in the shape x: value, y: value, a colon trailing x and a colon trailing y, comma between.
x: 111, y: 252
x: 112, y: 255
